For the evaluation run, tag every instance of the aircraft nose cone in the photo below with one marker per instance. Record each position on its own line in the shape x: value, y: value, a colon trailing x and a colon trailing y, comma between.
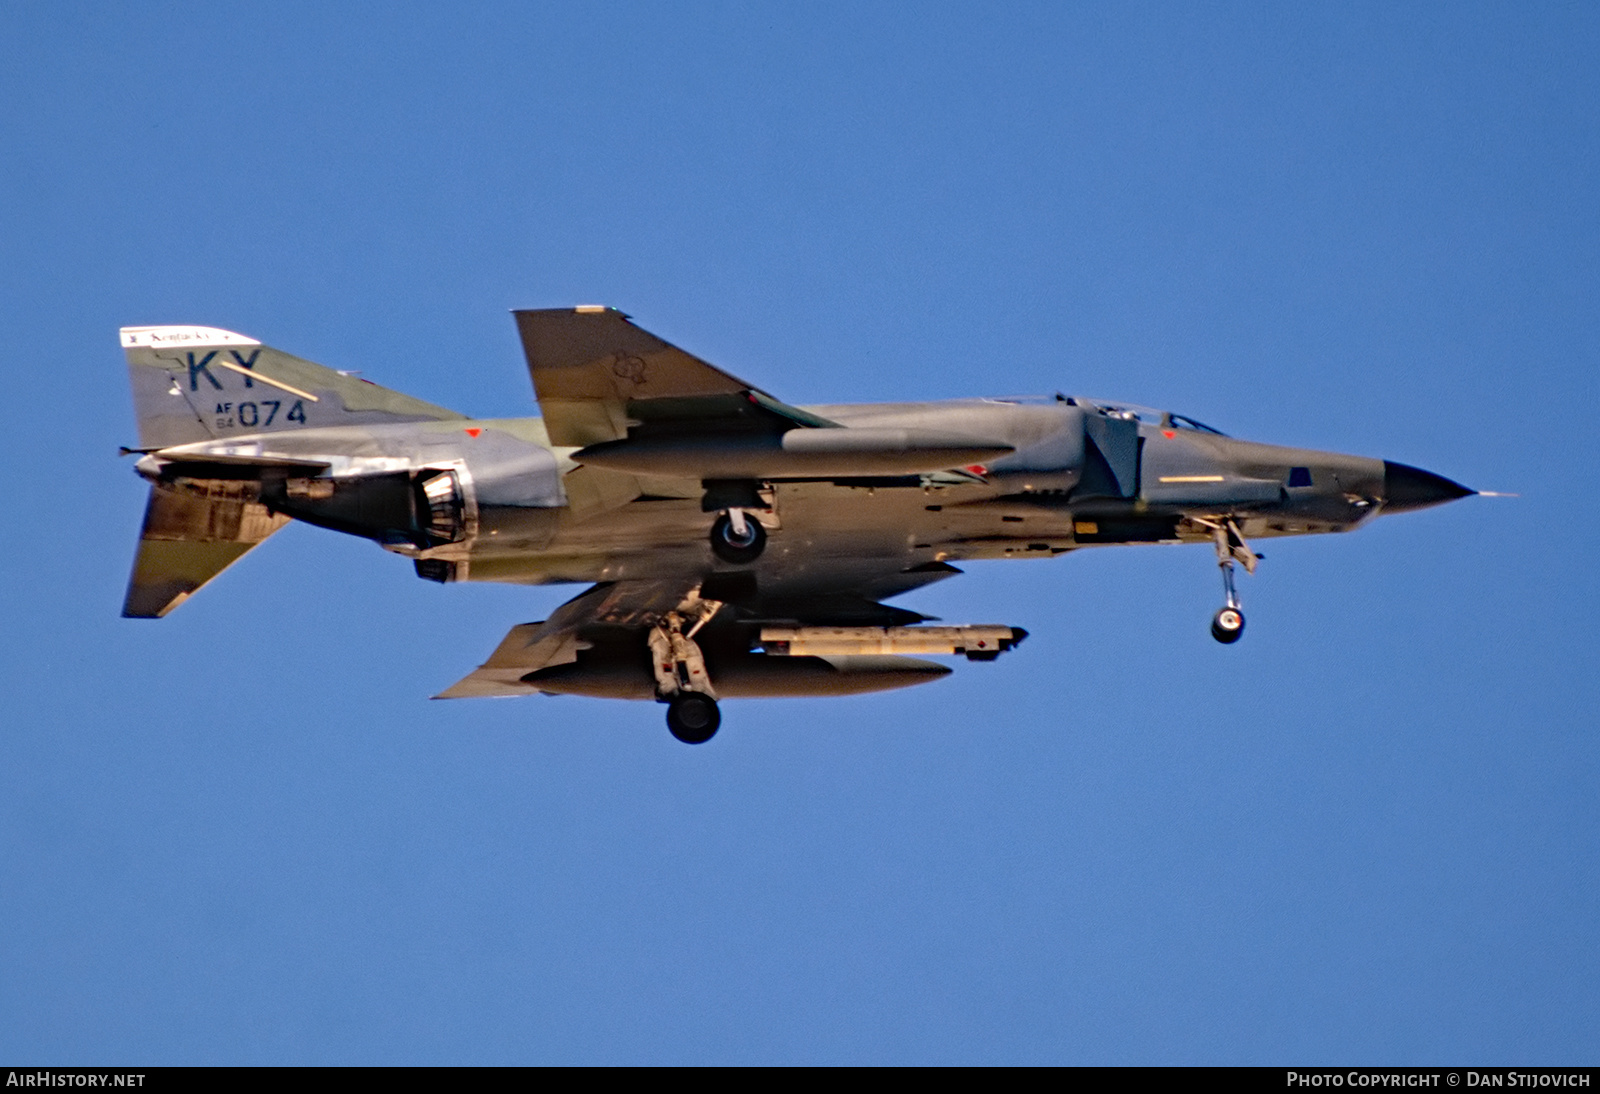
x: 1406, y: 488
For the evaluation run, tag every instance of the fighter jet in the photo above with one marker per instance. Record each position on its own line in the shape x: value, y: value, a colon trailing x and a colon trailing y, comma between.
x: 735, y: 545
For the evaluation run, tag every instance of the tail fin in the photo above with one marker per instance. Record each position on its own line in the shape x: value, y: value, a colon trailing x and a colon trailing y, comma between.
x: 199, y: 384
x: 191, y: 534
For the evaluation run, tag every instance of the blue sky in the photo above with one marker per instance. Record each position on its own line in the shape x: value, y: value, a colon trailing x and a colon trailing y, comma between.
x: 1367, y: 833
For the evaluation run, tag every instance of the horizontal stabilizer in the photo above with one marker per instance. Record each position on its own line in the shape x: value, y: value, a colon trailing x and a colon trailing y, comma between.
x: 190, y: 536
x: 195, y: 462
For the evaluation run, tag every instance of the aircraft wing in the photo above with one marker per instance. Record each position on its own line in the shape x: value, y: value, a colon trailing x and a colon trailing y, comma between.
x: 557, y: 640
x: 634, y: 404
x: 595, y: 373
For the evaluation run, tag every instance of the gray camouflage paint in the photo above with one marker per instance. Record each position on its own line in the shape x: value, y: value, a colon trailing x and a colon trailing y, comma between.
x: 236, y: 437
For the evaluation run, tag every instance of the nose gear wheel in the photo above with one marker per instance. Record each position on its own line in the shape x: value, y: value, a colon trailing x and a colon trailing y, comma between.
x: 1227, y: 625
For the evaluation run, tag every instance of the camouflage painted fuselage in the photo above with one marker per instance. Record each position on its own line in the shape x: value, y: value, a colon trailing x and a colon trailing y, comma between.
x: 643, y: 457
x: 528, y: 514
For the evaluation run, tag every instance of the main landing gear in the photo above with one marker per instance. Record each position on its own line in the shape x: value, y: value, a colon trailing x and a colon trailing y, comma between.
x: 681, y: 679
x: 737, y: 537
x: 693, y: 718
x: 1227, y: 626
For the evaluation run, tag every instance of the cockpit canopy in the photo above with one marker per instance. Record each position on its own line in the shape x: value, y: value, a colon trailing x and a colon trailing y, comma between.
x: 1165, y: 419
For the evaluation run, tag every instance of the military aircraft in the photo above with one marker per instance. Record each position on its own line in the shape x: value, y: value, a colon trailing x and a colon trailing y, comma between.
x: 736, y: 546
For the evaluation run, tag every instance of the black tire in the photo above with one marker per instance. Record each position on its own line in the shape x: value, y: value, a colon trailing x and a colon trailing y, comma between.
x: 693, y: 718
x: 730, y: 548
x: 1227, y: 626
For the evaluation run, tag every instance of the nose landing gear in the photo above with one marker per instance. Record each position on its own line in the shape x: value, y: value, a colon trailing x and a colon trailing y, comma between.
x: 1227, y: 626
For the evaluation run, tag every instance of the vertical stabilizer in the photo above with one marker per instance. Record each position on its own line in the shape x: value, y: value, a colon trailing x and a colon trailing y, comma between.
x: 199, y: 383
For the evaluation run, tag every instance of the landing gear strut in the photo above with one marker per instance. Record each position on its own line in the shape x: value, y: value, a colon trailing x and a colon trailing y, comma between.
x: 738, y: 538
x: 1227, y: 626
x: 681, y: 679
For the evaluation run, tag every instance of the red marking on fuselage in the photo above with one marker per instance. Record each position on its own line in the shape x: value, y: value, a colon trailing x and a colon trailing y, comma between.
x: 1168, y: 434
x: 472, y: 432
x: 976, y: 469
